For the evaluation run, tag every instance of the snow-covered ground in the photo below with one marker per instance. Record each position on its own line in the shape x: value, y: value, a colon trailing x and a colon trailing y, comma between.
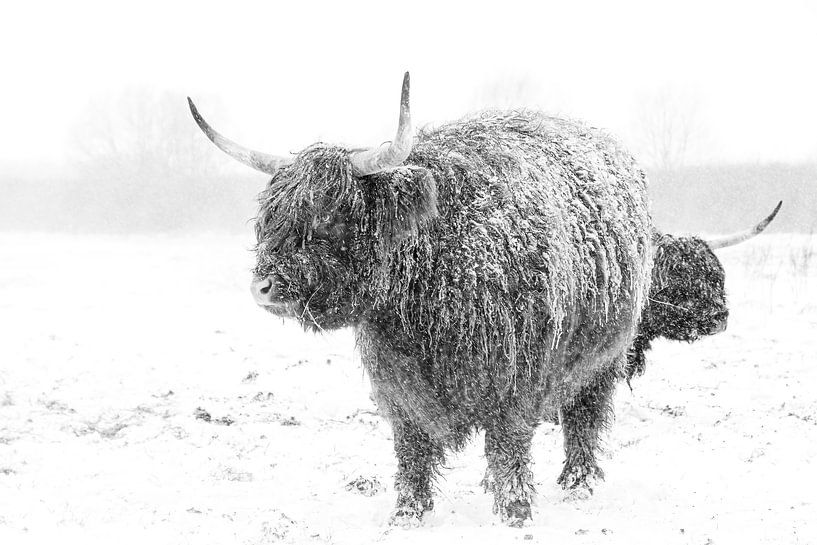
x: 111, y: 345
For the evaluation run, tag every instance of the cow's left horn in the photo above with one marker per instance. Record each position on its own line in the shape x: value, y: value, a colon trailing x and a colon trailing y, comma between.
x: 731, y: 240
x: 374, y: 160
x: 255, y: 159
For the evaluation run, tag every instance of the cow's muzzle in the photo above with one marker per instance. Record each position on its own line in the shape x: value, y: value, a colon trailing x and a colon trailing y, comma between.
x: 266, y: 291
x: 720, y: 321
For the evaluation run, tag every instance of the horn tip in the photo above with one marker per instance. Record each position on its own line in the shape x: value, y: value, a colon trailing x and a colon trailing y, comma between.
x: 194, y: 111
x: 774, y: 212
x: 406, y: 86
x: 760, y: 227
x: 203, y: 125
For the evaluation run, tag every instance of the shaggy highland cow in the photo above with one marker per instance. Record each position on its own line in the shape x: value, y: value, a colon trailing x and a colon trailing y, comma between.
x: 494, y: 270
x: 687, y: 298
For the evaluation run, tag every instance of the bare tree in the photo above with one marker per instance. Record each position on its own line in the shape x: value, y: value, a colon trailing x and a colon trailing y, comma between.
x: 516, y: 91
x: 142, y: 134
x: 142, y: 164
x: 668, y: 127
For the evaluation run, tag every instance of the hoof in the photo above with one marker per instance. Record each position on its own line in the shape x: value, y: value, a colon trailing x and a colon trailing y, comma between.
x: 578, y: 494
x: 407, y: 517
x: 516, y: 513
x: 580, y: 480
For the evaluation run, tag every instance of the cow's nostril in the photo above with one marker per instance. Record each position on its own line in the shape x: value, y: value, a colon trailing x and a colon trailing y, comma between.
x: 265, y: 291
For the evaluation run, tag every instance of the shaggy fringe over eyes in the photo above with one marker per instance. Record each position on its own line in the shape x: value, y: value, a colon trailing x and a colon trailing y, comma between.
x: 289, y: 206
x: 321, y: 187
x: 324, y: 232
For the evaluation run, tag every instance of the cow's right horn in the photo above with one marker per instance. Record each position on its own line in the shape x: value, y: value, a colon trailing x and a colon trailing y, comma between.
x: 255, y: 159
x: 731, y: 240
x: 374, y: 160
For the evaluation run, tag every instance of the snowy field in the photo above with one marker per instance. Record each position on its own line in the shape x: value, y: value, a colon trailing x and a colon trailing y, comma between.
x: 145, y: 399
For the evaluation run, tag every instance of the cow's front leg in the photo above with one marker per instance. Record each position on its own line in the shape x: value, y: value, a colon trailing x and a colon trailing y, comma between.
x: 507, y: 449
x: 582, y: 422
x: 418, y: 462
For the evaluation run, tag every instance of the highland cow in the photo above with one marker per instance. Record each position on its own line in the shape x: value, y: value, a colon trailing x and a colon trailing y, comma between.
x: 687, y: 299
x: 493, y: 269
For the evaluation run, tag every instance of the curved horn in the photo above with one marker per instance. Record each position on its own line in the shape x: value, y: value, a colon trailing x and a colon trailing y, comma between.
x: 255, y: 159
x: 731, y: 240
x: 374, y: 160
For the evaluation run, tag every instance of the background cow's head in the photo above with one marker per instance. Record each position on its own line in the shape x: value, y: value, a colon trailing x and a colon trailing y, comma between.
x: 327, y: 219
x: 687, y: 297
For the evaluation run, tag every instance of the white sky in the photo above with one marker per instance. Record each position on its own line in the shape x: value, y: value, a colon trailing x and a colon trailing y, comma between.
x: 287, y: 75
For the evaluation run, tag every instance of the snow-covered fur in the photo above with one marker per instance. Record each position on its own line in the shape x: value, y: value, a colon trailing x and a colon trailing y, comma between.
x: 687, y: 299
x: 494, y: 280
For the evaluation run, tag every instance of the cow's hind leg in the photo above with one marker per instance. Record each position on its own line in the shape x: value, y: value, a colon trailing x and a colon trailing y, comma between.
x: 582, y: 422
x: 419, y: 458
x: 507, y: 448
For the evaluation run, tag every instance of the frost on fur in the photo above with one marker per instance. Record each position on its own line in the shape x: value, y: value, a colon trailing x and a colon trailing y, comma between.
x: 494, y: 278
x: 687, y: 299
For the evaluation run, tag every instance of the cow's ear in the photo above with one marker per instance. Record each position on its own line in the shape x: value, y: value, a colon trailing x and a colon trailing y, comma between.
x: 399, y: 201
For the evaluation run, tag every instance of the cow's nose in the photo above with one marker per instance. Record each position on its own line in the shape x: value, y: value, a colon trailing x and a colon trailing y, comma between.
x: 721, y: 319
x: 263, y: 291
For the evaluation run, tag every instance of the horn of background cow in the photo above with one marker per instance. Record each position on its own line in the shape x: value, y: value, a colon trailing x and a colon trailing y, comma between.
x: 731, y: 240
x: 372, y: 161
x: 255, y: 159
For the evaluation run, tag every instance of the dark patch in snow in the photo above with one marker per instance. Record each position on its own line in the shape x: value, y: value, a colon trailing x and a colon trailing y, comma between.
x: 231, y: 474
x: 365, y: 486
x: 164, y: 395
x: 57, y: 406
x: 808, y: 418
x: 201, y: 414
x: 296, y: 364
x: 673, y: 411
x: 261, y: 396
x: 277, y: 530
